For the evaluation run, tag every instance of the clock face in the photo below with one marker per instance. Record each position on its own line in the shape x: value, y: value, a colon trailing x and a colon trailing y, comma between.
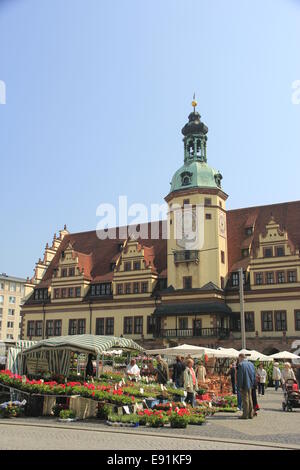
x: 222, y: 224
x: 185, y: 228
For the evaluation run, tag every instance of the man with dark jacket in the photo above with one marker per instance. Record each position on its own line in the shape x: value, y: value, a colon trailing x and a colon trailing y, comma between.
x: 178, y: 370
x: 245, y: 383
x: 162, y: 370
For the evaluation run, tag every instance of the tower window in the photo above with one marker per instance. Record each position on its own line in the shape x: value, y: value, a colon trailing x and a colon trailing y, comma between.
x: 186, y: 178
x: 187, y: 282
x: 207, y: 201
x: 222, y: 257
x: 208, y: 216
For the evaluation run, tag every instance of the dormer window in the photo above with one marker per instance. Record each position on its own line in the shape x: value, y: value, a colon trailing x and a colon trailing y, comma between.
x: 127, y: 266
x: 245, y: 252
x: 279, y: 251
x: 186, y: 178
x: 72, y: 272
x: 112, y: 266
x: 268, y: 252
x: 249, y: 231
x: 136, y: 265
x: 64, y: 272
x: 62, y: 255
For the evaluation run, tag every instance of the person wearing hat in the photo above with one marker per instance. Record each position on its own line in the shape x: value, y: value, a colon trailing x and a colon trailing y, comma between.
x: 245, y: 384
x: 276, y: 375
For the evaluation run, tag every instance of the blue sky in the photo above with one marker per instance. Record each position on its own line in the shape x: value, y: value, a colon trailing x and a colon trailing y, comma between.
x: 98, y: 91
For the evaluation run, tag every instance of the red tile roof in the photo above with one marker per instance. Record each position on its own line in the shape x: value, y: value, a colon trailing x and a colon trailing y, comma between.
x: 286, y: 214
x: 96, y: 255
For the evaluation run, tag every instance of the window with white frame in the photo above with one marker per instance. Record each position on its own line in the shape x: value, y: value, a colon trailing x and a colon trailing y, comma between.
x: 12, y: 287
x: 12, y: 300
x: 11, y: 311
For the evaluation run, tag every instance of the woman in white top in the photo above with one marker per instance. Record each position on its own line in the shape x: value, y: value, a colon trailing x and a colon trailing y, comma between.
x: 287, y: 373
x: 261, y: 377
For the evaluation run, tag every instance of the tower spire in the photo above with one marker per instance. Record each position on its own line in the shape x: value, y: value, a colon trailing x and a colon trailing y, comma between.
x: 194, y: 102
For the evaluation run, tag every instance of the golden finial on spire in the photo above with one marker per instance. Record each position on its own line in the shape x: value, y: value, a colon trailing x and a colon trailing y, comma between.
x: 194, y: 103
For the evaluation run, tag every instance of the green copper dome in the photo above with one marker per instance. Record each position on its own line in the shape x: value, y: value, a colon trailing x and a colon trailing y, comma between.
x: 196, y: 174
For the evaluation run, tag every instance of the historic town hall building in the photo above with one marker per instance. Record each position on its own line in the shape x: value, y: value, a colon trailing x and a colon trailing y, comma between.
x: 159, y: 290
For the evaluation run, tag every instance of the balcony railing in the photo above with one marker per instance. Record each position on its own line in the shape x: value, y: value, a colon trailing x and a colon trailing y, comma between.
x: 194, y: 332
x: 186, y: 256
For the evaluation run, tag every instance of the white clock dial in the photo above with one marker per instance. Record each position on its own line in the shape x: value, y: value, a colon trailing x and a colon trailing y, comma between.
x: 222, y: 224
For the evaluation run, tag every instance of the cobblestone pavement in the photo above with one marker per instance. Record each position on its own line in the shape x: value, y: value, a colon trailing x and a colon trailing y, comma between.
x: 272, y: 428
x: 40, y: 438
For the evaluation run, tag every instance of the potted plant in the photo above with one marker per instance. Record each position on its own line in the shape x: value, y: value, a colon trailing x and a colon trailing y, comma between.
x: 196, y: 419
x: 157, y: 420
x: 178, y: 420
x: 67, y: 416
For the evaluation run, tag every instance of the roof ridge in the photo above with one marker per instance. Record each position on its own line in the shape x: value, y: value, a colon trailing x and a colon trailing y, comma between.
x: 264, y: 205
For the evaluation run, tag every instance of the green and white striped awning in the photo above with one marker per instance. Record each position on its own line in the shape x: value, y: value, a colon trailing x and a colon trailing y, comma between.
x: 94, y: 344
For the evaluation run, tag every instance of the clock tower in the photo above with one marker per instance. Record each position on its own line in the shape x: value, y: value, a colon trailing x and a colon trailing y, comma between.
x: 197, y: 242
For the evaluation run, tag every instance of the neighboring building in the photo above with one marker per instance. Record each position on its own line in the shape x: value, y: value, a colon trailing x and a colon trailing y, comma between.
x: 13, y: 292
x: 161, y: 291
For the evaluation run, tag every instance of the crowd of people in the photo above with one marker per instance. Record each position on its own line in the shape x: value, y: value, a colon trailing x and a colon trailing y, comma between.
x: 248, y: 382
x: 184, y: 375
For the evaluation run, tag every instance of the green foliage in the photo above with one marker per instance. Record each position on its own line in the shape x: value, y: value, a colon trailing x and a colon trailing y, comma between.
x: 67, y: 414
x: 196, y: 420
x: 178, y: 421
x: 157, y: 421
x: 104, y: 411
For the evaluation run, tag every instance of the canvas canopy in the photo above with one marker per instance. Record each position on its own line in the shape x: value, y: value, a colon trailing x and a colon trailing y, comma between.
x: 194, y: 351
x: 56, y: 351
x: 284, y: 355
x: 14, y: 356
x: 253, y: 355
x: 93, y: 344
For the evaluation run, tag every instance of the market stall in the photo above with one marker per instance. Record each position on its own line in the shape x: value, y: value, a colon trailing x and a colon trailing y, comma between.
x: 55, y: 353
x: 253, y: 355
x: 284, y: 356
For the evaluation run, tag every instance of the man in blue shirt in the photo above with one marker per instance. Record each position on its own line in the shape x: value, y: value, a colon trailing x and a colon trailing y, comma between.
x: 245, y: 383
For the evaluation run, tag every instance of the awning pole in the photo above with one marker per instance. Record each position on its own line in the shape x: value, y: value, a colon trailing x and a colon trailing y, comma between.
x: 97, y: 366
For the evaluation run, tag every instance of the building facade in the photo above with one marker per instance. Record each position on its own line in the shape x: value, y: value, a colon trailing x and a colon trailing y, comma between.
x: 161, y: 288
x: 13, y: 292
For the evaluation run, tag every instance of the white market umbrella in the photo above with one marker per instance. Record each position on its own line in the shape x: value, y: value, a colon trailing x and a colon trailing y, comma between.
x: 194, y: 351
x: 253, y: 355
x: 284, y: 355
x: 228, y: 352
x: 182, y: 349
